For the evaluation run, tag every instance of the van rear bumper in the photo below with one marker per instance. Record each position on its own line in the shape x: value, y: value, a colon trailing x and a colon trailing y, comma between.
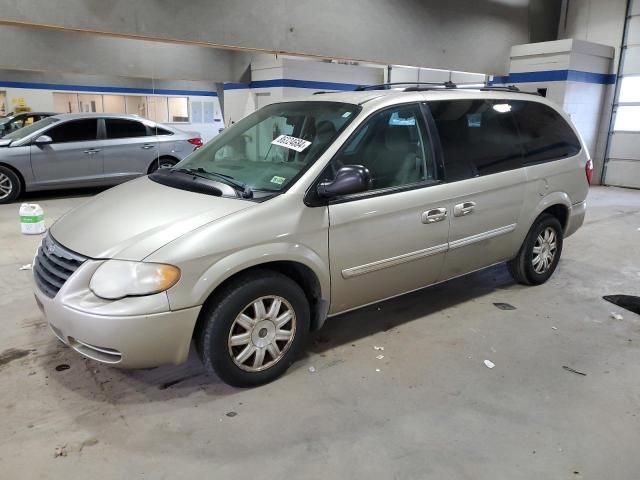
x: 576, y: 217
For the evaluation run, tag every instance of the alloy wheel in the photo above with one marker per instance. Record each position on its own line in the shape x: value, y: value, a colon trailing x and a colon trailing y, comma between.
x: 544, y: 250
x: 262, y: 333
x: 6, y: 186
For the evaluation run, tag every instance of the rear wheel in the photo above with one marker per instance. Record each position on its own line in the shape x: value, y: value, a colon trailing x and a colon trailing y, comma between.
x: 540, y: 253
x: 254, y: 329
x: 162, y: 162
x: 10, y: 186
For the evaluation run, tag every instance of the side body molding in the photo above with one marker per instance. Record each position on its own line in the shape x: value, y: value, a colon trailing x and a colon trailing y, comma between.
x: 411, y: 256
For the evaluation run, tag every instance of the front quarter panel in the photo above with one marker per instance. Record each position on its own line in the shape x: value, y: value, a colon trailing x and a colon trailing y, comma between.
x: 20, y: 159
x: 280, y: 229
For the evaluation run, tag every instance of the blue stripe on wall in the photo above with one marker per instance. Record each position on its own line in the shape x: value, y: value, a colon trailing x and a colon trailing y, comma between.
x: 556, y: 76
x: 290, y: 82
x: 106, y: 89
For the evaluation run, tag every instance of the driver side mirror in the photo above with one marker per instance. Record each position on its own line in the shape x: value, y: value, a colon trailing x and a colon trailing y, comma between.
x: 349, y: 179
x: 43, y: 140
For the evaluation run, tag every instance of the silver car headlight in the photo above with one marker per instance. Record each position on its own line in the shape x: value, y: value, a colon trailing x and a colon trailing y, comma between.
x: 116, y: 279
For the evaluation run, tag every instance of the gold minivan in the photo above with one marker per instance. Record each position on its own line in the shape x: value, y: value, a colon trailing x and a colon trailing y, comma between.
x: 305, y: 210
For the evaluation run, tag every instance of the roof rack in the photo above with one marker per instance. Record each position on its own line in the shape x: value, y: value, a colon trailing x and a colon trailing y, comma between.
x: 387, y: 86
x: 431, y: 86
x: 507, y: 88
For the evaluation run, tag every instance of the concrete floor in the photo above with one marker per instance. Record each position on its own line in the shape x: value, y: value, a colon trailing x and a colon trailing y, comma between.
x: 434, y: 410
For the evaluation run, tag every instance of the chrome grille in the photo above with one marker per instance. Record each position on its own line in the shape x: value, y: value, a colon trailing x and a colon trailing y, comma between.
x: 53, y: 265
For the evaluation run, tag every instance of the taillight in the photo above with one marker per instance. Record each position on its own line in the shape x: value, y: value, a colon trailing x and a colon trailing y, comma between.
x: 197, y: 141
x: 588, y: 170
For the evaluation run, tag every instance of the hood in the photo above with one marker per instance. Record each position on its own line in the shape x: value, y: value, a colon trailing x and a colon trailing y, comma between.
x: 5, y: 142
x: 131, y: 221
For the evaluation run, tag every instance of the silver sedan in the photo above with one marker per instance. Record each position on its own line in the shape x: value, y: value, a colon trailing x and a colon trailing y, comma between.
x: 87, y: 149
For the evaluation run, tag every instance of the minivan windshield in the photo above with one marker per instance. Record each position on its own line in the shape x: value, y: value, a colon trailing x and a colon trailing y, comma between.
x: 268, y: 149
x: 29, y: 129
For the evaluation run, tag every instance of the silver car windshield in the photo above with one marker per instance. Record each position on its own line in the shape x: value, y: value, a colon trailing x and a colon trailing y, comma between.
x: 29, y: 129
x: 270, y: 148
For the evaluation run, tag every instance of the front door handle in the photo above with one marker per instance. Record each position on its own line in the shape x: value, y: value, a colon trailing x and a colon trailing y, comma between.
x: 434, y: 215
x: 147, y: 146
x: 91, y: 151
x: 462, y: 209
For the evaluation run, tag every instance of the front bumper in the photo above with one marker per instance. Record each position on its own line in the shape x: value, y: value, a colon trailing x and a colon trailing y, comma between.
x: 135, y: 332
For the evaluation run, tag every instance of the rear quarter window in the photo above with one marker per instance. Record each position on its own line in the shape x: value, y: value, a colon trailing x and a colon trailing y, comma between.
x: 545, y: 134
x: 160, y: 131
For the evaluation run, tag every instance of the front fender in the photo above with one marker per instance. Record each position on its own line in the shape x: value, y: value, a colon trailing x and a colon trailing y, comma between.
x: 225, y: 267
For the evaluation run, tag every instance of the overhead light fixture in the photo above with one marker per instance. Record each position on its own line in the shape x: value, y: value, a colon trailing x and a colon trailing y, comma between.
x: 502, y: 107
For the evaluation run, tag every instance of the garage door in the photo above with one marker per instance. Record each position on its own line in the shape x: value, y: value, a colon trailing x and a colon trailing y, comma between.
x: 623, y: 157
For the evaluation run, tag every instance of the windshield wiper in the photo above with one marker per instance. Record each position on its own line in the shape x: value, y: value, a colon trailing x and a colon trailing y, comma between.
x: 240, y: 187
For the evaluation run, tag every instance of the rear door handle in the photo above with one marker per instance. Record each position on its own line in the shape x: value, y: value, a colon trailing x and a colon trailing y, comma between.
x: 462, y: 209
x: 434, y: 215
x: 91, y: 151
x: 147, y: 146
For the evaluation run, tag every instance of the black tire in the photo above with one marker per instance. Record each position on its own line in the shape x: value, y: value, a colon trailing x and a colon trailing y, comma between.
x: 219, y: 322
x: 522, y: 268
x: 163, y: 162
x: 10, y: 185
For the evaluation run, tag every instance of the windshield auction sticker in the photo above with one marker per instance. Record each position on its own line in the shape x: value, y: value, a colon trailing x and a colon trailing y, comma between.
x: 292, y: 143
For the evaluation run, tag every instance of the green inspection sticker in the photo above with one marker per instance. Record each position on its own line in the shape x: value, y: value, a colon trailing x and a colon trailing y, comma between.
x: 278, y: 180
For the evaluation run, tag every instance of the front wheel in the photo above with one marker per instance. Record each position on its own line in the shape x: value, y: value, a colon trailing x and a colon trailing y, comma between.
x: 254, y: 329
x: 540, y: 253
x: 10, y: 186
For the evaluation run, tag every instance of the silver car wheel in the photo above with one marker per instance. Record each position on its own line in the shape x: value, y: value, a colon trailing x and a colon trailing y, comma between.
x: 544, y: 250
x: 6, y: 186
x: 262, y: 333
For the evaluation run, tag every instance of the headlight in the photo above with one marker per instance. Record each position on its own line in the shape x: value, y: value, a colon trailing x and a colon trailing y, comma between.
x: 116, y: 279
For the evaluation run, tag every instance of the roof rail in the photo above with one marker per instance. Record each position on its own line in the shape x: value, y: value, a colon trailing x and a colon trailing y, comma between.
x: 431, y: 86
x: 386, y: 86
x: 507, y: 88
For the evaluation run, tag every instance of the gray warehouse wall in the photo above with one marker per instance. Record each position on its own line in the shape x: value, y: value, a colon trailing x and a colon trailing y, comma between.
x: 70, y: 52
x: 599, y: 21
x: 454, y: 34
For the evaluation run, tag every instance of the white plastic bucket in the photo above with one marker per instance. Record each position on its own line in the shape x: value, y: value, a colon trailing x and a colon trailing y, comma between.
x: 32, y: 219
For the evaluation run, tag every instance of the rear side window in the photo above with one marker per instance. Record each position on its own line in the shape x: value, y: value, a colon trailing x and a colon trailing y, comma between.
x: 74, y: 131
x: 545, y: 134
x: 478, y: 137
x: 161, y: 131
x: 122, y: 128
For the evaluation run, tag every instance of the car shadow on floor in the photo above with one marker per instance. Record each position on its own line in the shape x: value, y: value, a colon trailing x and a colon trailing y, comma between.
x: 384, y: 316
x: 177, y: 381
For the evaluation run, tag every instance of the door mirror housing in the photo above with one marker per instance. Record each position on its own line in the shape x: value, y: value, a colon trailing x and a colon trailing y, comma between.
x: 43, y: 140
x: 349, y: 180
